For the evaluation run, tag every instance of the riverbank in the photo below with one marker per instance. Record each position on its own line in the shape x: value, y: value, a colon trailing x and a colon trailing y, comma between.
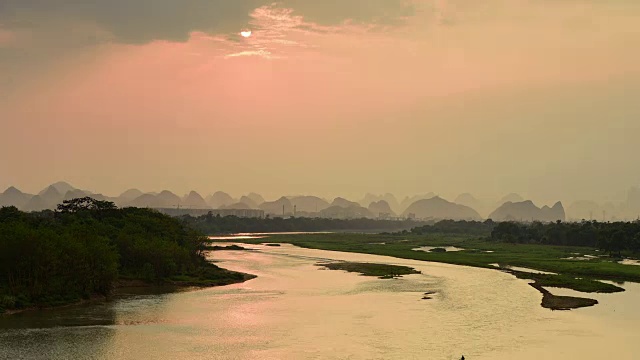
x: 558, y: 265
x: 217, y: 277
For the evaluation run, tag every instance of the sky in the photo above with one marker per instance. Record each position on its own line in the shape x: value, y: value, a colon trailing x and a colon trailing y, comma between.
x: 339, y: 97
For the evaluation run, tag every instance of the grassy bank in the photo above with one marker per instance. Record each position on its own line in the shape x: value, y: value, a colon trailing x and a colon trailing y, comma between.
x: 579, y: 275
x: 206, y: 276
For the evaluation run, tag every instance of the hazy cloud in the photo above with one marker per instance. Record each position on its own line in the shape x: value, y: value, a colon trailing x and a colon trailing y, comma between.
x: 142, y: 21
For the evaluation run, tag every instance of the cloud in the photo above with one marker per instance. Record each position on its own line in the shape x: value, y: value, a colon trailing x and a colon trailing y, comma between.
x: 333, y: 12
x: 143, y: 21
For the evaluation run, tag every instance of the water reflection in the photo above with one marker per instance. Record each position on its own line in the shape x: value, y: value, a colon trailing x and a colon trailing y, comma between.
x: 294, y: 310
x: 258, y: 235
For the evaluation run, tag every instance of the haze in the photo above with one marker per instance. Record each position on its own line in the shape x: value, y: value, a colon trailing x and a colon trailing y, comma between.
x: 339, y: 98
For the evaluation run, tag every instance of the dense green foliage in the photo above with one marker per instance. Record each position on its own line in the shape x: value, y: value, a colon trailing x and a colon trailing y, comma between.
x: 210, y: 224
x: 614, y: 238
x: 480, y: 228
x: 80, y: 250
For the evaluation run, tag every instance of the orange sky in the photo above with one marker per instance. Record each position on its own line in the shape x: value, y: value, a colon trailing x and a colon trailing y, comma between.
x: 488, y: 97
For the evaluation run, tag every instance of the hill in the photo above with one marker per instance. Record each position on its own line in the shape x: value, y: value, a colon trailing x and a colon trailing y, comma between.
x: 256, y: 198
x: 309, y: 204
x: 219, y: 199
x: 407, y: 201
x: 528, y: 211
x: 388, y: 198
x: 14, y: 197
x: 381, y: 207
x: 61, y: 187
x: 346, y: 212
x: 250, y: 202
x: 280, y: 207
x: 439, y: 208
x: 194, y: 200
x: 342, y: 202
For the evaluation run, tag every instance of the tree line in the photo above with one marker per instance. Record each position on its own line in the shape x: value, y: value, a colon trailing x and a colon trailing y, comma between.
x: 215, y: 224
x: 480, y: 228
x: 82, y: 248
x: 611, y: 237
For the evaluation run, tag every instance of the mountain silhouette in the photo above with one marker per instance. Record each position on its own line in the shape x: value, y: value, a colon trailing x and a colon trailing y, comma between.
x: 342, y: 202
x: 168, y: 199
x: 14, y: 197
x: 380, y: 207
x: 439, y: 208
x: 412, y: 199
x: 77, y: 193
x: 238, y: 206
x: 219, y: 199
x: 48, y: 199
x: 256, y: 198
x: 60, y: 186
x: 513, y: 197
x: 145, y: 201
x: 309, y: 204
x: 346, y: 212
x: 129, y: 195
x: 279, y: 207
x: 194, y: 200
x: 249, y: 202
x: 388, y: 198
x: 37, y: 203
x: 528, y: 211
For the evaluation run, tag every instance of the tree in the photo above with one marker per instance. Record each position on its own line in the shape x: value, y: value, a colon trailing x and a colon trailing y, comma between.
x: 85, y: 204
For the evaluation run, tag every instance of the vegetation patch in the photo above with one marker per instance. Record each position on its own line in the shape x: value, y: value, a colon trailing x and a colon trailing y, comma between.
x: 569, y: 282
x: 486, y: 252
x: 382, y: 271
x: 428, y: 295
x: 554, y: 302
x: 83, y: 249
x: 230, y: 247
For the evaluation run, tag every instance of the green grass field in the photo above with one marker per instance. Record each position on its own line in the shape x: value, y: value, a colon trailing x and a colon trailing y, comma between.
x: 580, y: 275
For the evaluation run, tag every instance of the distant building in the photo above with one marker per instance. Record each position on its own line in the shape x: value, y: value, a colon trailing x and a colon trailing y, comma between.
x: 411, y: 216
x: 243, y: 213
x: 384, y: 216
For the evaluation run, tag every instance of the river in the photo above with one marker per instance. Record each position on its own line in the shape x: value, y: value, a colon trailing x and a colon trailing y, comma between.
x: 296, y: 310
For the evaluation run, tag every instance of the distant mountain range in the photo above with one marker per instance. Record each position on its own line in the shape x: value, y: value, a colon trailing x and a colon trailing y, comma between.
x: 388, y: 198
x: 425, y: 206
x: 528, y: 211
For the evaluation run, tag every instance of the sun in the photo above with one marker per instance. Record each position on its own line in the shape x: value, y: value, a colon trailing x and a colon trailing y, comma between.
x: 245, y: 33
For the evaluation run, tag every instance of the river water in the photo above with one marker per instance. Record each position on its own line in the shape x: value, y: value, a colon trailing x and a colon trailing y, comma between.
x: 296, y: 310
